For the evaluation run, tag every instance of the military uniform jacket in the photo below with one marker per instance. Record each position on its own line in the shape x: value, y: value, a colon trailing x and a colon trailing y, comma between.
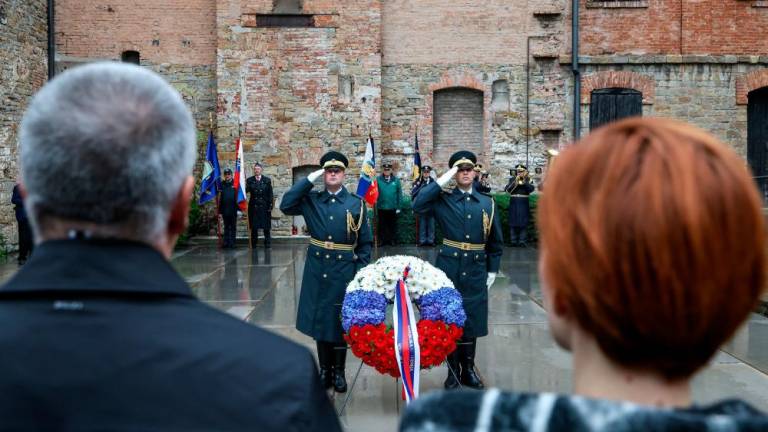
x: 327, y: 272
x: 260, y: 201
x: 460, y: 217
x: 519, y: 207
x: 105, y: 335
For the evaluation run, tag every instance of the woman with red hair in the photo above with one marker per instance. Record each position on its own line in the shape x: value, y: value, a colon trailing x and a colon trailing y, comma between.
x: 652, y: 256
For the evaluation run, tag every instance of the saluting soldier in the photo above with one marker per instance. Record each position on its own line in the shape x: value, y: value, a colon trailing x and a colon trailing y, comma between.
x: 470, y: 254
x: 260, y: 203
x: 519, y: 186
x: 340, y: 244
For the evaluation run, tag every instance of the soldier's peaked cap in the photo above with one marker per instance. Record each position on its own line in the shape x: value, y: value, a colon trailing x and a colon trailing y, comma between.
x: 521, y: 166
x: 334, y: 159
x: 462, y: 157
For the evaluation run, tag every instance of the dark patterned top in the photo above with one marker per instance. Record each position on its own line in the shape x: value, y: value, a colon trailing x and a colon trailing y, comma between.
x: 494, y: 410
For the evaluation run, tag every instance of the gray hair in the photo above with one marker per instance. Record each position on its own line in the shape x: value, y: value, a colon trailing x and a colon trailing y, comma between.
x: 109, y: 145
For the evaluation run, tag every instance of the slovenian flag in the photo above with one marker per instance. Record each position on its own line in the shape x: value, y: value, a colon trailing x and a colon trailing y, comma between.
x: 407, y: 350
x: 367, y: 187
x: 239, y: 182
x: 416, y: 160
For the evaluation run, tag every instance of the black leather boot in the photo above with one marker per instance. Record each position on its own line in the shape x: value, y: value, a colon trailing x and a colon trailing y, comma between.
x: 452, y: 381
x: 324, y: 357
x: 339, y: 360
x: 469, y: 376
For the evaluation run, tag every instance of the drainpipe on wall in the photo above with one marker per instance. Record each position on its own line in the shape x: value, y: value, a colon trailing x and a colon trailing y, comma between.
x: 575, y: 69
x: 51, y: 41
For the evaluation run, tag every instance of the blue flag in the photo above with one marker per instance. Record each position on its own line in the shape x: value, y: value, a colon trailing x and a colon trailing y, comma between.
x: 211, y: 173
x: 416, y: 160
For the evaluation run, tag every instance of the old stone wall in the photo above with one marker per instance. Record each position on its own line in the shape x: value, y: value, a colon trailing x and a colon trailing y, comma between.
x: 291, y: 94
x: 23, y: 70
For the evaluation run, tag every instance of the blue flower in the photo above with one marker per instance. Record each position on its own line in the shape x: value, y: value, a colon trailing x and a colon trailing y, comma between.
x: 444, y: 304
x: 363, y: 307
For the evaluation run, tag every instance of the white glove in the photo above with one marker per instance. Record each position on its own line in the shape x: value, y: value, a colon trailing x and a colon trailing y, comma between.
x: 445, y: 178
x: 491, y: 279
x: 315, y: 175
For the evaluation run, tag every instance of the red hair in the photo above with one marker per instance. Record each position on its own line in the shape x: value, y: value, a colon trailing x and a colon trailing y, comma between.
x: 654, y: 241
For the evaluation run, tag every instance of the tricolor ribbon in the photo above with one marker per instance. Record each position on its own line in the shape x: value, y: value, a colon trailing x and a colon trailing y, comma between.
x: 406, y: 340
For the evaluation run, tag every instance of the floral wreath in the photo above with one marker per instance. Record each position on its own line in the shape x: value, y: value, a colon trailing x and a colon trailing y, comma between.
x: 363, y: 314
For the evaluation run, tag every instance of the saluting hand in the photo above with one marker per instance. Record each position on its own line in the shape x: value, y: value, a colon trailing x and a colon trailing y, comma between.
x: 315, y: 175
x: 491, y: 279
x: 445, y: 178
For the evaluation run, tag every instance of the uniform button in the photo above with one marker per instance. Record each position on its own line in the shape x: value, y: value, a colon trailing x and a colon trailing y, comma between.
x: 467, y: 236
x: 318, y: 253
x: 469, y: 216
x: 327, y: 256
x: 463, y: 273
x: 325, y: 275
x: 455, y: 254
x: 330, y: 237
x: 339, y: 256
x: 331, y: 217
x: 333, y: 199
x: 467, y: 198
x: 465, y: 254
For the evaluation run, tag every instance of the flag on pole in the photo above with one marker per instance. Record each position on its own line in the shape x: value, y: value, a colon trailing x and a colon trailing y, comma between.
x: 416, y: 160
x: 407, y: 350
x: 367, y: 187
x: 211, y: 184
x: 239, y: 182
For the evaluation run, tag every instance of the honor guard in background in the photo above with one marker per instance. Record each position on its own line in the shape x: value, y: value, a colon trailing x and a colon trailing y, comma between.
x: 470, y: 254
x: 519, y: 186
x: 259, y: 187
x: 388, y: 205
x: 481, y: 180
x: 426, y: 220
x: 228, y: 209
x: 340, y: 244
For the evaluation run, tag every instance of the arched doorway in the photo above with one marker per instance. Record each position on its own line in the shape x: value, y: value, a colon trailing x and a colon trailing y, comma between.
x: 757, y: 136
x: 611, y: 104
x: 457, y: 123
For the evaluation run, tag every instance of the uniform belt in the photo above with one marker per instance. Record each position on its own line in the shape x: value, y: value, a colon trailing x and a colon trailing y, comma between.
x: 519, y: 196
x: 464, y: 246
x: 331, y: 245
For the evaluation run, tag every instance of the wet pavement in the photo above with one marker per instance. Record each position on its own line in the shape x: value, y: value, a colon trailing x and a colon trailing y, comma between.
x: 262, y: 287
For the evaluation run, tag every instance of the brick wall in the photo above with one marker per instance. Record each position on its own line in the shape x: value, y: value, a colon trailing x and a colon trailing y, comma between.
x: 279, y: 88
x: 168, y: 31
x: 458, y: 122
x: 23, y: 70
x: 673, y: 27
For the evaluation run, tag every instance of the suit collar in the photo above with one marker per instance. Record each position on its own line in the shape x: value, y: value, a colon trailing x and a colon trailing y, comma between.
x: 104, y: 266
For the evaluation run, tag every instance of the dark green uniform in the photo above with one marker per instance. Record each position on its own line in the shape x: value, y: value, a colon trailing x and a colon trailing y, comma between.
x: 327, y: 272
x: 460, y: 217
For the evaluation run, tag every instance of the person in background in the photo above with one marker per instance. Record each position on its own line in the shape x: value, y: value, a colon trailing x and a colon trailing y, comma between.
x: 519, y: 187
x: 483, y: 184
x: 427, y: 219
x: 25, y: 232
x: 228, y: 209
x: 388, y: 205
x: 632, y: 287
x: 100, y: 332
x: 260, y: 203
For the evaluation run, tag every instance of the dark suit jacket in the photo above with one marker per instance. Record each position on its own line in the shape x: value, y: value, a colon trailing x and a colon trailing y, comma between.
x: 105, y: 335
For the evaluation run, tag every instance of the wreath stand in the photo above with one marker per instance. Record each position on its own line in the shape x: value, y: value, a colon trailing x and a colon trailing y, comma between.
x: 398, y: 394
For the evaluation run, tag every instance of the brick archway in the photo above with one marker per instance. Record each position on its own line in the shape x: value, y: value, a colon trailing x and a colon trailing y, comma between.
x: 451, y: 80
x: 618, y: 79
x: 749, y: 82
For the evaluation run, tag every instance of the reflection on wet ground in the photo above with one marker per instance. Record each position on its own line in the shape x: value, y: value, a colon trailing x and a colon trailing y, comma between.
x: 262, y: 287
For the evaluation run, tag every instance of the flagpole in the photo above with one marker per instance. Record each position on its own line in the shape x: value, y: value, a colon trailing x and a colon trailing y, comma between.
x: 248, y: 205
x: 218, y: 195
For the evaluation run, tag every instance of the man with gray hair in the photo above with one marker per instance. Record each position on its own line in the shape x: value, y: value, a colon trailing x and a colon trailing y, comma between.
x: 100, y: 332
